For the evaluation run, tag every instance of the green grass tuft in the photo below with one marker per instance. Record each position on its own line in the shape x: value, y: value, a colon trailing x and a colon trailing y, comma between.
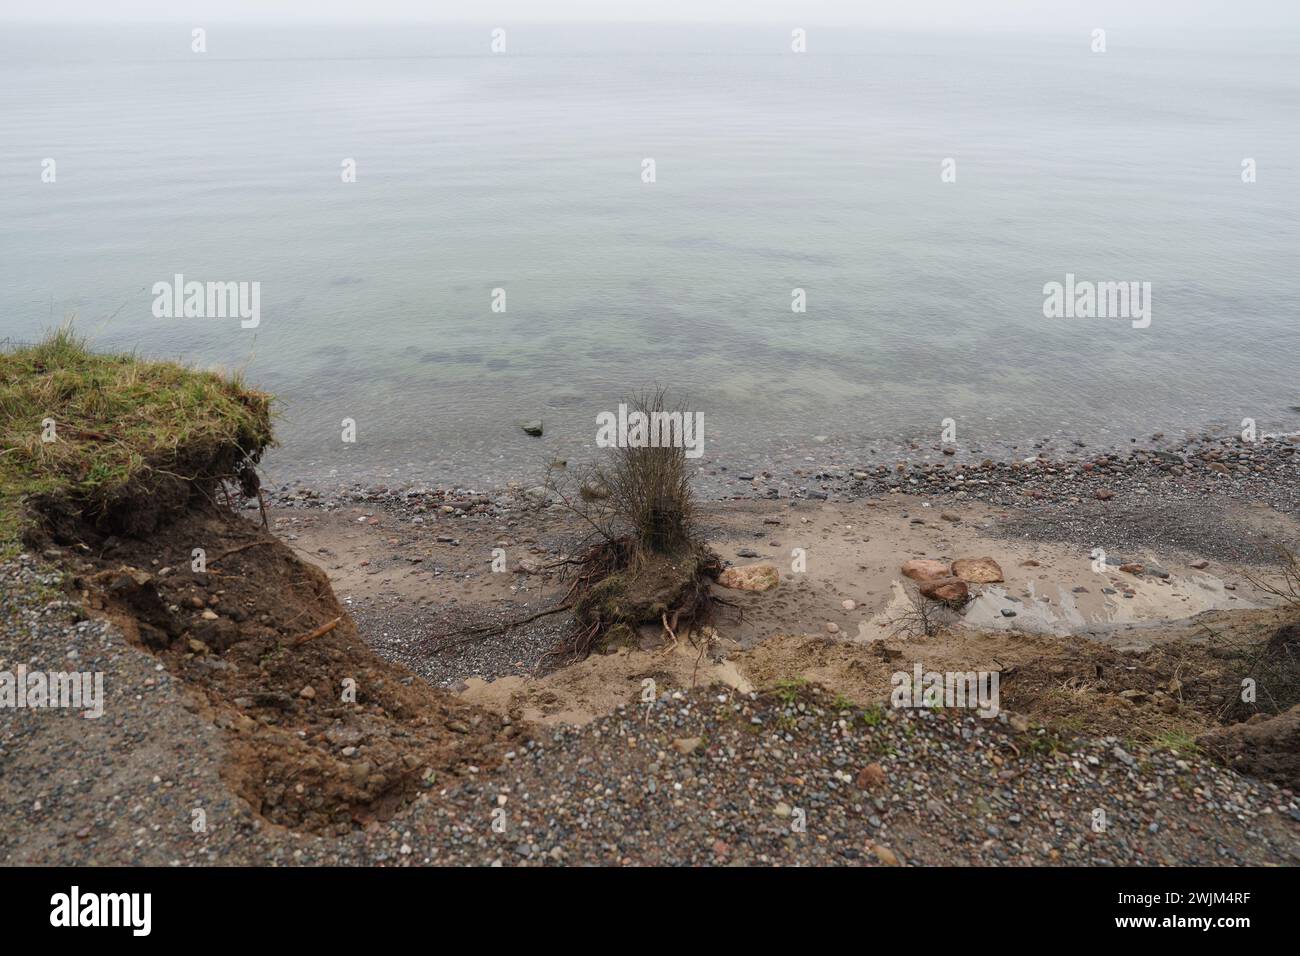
x: 1177, y: 740
x: 120, y: 421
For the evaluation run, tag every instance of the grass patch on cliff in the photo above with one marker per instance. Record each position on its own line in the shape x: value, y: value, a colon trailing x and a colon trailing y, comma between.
x: 131, y: 438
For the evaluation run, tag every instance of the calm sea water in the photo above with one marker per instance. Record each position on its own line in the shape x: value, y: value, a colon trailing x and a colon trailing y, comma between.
x: 774, y: 171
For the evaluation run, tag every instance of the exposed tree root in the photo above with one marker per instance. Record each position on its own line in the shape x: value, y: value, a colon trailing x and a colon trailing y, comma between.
x: 645, y: 563
x: 618, y: 587
x: 470, y: 635
x: 668, y: 629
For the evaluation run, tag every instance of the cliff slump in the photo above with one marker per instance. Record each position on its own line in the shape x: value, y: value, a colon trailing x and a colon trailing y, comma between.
x: 323, y: 734
x: 128, y: 474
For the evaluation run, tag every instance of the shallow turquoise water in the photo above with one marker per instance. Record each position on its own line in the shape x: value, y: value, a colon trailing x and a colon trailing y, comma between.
x: 774, y: 171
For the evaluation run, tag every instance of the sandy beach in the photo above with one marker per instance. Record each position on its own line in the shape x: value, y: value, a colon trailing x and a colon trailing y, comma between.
x: 1111, y: 670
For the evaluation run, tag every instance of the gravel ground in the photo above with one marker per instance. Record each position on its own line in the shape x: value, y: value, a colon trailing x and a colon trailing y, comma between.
x: 712, y: 778
x: 703, y: 777
x: 120, y: 788
x: 1189, y: 484
x: 426, y: 635
x: 1265, y: 471
x: 1163, y: 495
x: 407, y: 638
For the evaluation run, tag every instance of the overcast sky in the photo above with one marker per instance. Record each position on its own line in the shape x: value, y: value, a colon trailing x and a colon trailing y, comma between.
x: 979, y: 14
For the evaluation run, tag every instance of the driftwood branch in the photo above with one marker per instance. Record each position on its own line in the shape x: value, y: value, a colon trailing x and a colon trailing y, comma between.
x: 317, y: 632
x: 242, y: 547
x: 478, y: 634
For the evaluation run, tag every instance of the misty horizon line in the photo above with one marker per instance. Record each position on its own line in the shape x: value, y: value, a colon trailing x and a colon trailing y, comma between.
x: 1108, y: 23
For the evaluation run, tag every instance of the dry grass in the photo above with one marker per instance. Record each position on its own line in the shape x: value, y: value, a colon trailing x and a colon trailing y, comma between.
x: 1285, y: 584
x: 644, y: 492
x: 119, y: 421
x: 645, y: 561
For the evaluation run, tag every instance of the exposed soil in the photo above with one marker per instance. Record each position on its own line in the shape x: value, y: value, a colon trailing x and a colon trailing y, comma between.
x: 1264, y: 747
x: 295, y: 706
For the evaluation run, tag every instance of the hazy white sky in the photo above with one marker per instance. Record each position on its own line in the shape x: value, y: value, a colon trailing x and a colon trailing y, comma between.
x: 978, y: 14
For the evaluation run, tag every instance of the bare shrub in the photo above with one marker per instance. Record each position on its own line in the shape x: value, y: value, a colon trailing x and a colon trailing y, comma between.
x: 921, y: 618
x: 1272, y: 665
x: 1285, y: 585
x: 645, y: 561
x: 642, y: 492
